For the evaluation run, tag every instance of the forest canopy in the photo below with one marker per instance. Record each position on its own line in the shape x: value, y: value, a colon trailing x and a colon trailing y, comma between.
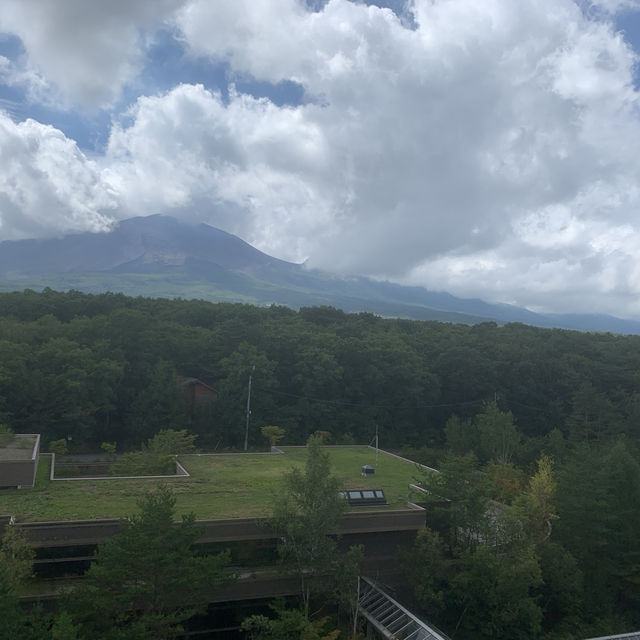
x: 535, y: 431
x: 90, y: 368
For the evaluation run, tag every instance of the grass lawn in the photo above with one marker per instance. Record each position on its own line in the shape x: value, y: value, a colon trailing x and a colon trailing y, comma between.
x: 220, y: 486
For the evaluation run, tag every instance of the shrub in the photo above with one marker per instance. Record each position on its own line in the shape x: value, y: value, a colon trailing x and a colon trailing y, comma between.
x: 143, y: 463
x: 59, y: 447
x: 170, y: 441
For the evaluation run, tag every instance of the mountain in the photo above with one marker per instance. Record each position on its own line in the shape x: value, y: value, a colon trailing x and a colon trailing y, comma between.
x: 150, y: 240
x: 162, y: 257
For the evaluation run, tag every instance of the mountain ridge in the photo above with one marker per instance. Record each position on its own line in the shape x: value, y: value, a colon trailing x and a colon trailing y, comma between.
x: 160, y: 256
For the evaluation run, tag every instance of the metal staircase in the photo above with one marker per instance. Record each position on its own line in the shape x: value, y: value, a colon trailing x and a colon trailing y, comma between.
x: 389, y: 618
x: 634, y: 635
x: 393, y: 622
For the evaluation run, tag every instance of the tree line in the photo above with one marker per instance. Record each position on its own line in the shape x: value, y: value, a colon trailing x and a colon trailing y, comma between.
x: 96, y: 368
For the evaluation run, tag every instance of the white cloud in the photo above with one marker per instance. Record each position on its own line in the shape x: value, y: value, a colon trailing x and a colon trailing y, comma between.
x: 188, y: 150
x: 497, y: 139
x: 37, y: 88
x: 489, y: 150
x: 611, y: 7
x: 86, y: 49
x: 47, y: 186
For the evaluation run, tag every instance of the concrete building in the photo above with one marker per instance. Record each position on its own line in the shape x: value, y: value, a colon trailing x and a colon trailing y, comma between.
x: 19, y: 460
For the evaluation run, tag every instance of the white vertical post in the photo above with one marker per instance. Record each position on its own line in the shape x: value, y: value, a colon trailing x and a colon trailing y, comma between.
x: 246, y: 430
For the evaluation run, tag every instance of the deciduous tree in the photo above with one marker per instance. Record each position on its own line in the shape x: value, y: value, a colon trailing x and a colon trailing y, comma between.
x: 17, y: 555
x: 16, y: 562
x: 305, y: 514
x: 273, y: 434
x: 289, y: 624
x: 499, y: 438
x: 495, y: 594
x: 172, y: 442
x: 460, y: 493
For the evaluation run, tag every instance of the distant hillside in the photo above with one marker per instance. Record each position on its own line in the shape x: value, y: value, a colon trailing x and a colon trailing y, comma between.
x: 136, y: 245
x: 160, y: 256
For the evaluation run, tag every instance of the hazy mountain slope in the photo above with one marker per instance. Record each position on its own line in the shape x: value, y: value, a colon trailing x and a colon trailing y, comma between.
x: 162, y: 257
x: 138, y: 240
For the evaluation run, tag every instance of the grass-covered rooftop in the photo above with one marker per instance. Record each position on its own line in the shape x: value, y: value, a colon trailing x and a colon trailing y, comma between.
x: 16, y: 447
x: 219, y: 486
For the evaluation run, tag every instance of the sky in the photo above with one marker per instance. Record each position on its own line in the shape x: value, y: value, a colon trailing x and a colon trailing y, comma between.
x: 489, y: 149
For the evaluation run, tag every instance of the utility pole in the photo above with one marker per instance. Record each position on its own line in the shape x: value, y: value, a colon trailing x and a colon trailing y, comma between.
x: 246, y: 431
x: 376, y: 446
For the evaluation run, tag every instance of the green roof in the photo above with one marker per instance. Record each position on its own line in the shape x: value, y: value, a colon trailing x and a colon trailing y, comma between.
x: 17, y: 447
x: 219, y: 486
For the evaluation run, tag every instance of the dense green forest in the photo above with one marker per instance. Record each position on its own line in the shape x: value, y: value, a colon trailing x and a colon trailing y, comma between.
x: 543, y: 423
x: 92, y: 366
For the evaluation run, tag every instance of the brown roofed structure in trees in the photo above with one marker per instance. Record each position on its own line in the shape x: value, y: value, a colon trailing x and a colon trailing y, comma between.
x: 197, y: 392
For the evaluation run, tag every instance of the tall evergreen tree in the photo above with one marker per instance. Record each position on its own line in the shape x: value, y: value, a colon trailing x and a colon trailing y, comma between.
x: 148, y: 579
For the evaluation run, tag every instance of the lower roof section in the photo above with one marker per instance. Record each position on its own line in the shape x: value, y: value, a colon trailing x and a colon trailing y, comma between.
x: 86, y: 532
